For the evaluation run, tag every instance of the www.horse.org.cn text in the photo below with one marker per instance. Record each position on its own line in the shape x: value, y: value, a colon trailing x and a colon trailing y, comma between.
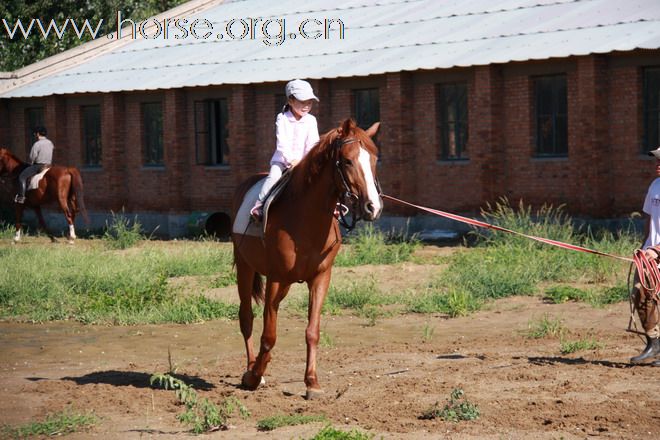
x: 270, y: 31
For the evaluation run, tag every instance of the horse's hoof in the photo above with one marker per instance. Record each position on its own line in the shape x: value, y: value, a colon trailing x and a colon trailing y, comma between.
x: 313, y: 394
x: 251, y: 381
x: 70, y: 241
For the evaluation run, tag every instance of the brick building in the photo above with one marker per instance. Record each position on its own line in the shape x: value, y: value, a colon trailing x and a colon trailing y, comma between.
x: 544, y: 101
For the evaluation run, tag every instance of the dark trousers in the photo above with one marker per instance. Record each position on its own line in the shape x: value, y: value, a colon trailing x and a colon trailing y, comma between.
x: 27, y: 174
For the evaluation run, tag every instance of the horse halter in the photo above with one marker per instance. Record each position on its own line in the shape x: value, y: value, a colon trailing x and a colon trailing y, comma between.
x: 347, y: 197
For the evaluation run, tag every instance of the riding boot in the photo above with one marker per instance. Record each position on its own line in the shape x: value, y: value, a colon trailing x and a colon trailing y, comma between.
x: 656, y: 363
x: 652, y: 350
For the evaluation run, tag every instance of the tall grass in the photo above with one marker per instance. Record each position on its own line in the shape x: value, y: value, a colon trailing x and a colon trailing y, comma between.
x: 369, y: 245
x: 502, y: 264
x: 99, y: 286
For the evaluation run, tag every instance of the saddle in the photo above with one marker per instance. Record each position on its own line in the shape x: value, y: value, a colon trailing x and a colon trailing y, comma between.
x: 33, y: 182
x: 243, y: 223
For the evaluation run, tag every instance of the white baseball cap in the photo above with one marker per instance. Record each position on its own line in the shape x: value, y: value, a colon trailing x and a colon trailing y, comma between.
x: 299, y: 89
x: 655, y: 153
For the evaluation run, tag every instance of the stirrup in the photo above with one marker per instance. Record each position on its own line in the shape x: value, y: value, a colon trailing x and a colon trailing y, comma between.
x: 340, y: 209
x: 256, y: 213
x: 19, y: 199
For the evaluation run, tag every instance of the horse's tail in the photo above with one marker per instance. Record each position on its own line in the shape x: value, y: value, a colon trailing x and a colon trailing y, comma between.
x: 77, y: 187
x: 258, y: 288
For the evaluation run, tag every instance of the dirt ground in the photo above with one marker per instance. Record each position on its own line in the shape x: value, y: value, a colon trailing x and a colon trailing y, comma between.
x: 379, y: 378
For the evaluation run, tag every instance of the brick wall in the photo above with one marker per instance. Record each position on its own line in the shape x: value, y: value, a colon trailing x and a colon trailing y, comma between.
x: 604, y: 175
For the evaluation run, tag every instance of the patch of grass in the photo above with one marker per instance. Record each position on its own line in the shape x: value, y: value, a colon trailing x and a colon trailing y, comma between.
x: 330, y: 433
x: 121, y: 233
x: 278, y: 421
x: 562, y: 294
x: 7, y: 230
x: 568, y: 347
x: 362, y: 297
x: 201, y: 415
x: 456, y: 409
x: 61, y: 423
x: 454, y: 303
x: 93, y: 285
x: 371, y: 246
x: 545, y: 327
x: 611, y: 295
x: 225, y: 279
x: 325, y: 340
x: 427, y: 332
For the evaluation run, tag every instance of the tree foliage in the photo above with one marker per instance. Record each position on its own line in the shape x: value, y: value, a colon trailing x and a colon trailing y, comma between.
x: 19, y: 51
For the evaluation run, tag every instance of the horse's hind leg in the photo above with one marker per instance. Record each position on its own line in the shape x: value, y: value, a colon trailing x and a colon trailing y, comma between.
x: 42, y: 223
x: 69, y: 214
x: 275, y: 293
x: 245, y: 280
x: 19, y: 225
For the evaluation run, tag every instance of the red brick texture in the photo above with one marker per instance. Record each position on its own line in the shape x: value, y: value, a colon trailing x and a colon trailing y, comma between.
x: 604, y: 175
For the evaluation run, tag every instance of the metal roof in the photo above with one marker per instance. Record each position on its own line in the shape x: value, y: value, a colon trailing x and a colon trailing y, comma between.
x: 379, y: 36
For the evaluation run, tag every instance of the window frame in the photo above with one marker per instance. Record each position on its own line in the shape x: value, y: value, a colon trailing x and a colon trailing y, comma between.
x: 458, y: 127
x: 153, y: 155
x: 651, y: 141
x: 214, y: 150
x: 88, y: 132
x: 559, y: 121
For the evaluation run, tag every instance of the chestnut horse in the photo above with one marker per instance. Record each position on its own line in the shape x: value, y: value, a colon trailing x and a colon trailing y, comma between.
x: 61, y: 184
x: 302, y: 238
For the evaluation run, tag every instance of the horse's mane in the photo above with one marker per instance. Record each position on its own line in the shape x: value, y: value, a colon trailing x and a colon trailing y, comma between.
x: 324, y: 151
x: 6, y: 152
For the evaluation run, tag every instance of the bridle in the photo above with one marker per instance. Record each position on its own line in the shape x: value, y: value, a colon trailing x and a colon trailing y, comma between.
x: 347, y: 197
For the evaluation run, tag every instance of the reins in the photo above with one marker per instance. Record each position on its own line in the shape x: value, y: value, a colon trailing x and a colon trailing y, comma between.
x: 347, y: 197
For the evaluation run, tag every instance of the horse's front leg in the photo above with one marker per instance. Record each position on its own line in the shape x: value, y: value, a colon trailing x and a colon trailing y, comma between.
x: 42, y: 223
x: 318, y: 288
x: 275, y: 293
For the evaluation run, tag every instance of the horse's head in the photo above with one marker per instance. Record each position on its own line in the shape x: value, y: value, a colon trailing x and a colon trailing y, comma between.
x: 356, y: 170
x: 7, y: 161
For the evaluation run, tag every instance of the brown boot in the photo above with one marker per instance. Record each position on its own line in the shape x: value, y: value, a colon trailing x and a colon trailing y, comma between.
x: 652, y: 350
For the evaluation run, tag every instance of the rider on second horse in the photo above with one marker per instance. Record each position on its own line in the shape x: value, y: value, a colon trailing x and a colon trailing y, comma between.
x: 41, y: 157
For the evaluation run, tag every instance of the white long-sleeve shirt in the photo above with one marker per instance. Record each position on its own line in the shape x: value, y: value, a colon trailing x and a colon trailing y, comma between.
x: 294, y: 137
x: 652, y: 208
x: 42, y: 152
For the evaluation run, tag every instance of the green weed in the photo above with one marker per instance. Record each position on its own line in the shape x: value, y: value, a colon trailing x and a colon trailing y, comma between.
x: 278, y: 421
x: 330, y: 433
x: 201, y: 414
x: 456, y: 409
x: 545, y: 327
x: 121, y: 233
x: 568, y: 347
x: 371, y: 246
x: 57, y: 424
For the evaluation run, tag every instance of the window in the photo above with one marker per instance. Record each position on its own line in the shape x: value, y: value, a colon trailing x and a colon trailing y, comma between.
x: 367, y: 107
x: 453, y: 121
x: 91, y: 129
x: 651, y: 108
x: 34, y: 117
x: 211, y: 132
x: 551, y: 116
x: 152, y: 119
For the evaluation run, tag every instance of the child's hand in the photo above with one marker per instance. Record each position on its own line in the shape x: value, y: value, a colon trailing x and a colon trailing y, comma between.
x: 294, y: 162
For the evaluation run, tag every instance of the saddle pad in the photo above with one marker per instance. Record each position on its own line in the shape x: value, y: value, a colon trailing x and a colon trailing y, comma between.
x: 242, y: 223
x: 34, y: 180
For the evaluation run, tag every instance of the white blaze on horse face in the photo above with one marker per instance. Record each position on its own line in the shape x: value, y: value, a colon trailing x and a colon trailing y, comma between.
x: 372, y: 192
